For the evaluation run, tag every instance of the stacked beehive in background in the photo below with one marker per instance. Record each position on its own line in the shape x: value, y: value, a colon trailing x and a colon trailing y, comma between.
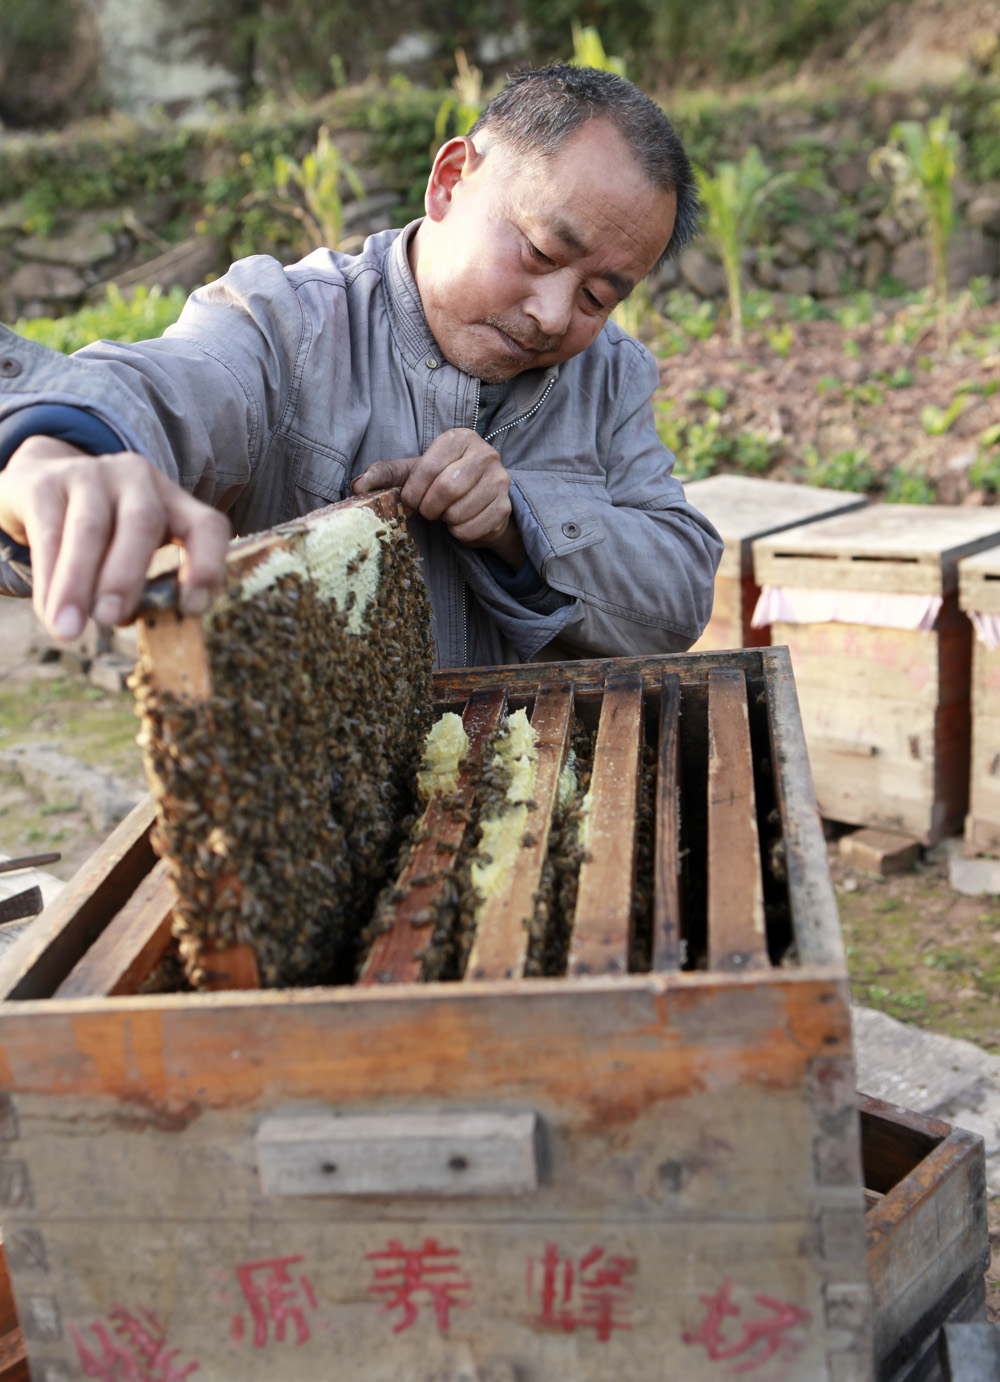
x: 743, y: 509
x: 885, y: 710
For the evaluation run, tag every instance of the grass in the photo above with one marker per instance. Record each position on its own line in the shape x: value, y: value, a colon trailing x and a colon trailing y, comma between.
x: 924, y: 954
x: 97, y: 727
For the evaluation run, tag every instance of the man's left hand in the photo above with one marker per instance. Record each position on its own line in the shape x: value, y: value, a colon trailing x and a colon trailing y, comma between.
x: 459, y: 479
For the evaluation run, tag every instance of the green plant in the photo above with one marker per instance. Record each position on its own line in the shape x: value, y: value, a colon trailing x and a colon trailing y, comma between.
x: 734, y: 200
x: 921, y: 161
x: 715, y: 397
x: 317, y: 181
x: 909, y: 487
x: 849, y: 469
x: 984, y: 472
x: 780, y: 340
x: 685, y: 318
x: 753, y: 453
x: 857, y: 312
x: 936, y: 421
x: 635, y: 313
x: 142, y: 316
x: 462, y: 107
x: 588, y: 51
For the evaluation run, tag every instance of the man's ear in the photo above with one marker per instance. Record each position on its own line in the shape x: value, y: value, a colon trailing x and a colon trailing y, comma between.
x: 454, y: 161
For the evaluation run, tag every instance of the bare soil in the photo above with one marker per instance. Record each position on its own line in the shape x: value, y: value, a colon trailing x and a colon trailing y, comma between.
x: 857, y: 394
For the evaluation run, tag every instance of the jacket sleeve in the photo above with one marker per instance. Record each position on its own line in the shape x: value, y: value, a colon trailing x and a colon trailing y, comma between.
x: 636, y: 558
x: 202, y: 402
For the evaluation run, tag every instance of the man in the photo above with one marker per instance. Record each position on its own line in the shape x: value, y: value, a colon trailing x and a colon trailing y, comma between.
x: 468, y: 359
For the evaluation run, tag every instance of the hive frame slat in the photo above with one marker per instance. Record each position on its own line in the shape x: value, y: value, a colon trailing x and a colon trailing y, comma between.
x: 737, y: 938
x: 131, y: 945
x: 37, y: 963
x: 600, y: 939
x: 666, y: 891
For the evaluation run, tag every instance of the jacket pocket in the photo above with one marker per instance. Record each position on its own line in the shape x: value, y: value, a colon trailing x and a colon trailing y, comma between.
x: 317, y: 476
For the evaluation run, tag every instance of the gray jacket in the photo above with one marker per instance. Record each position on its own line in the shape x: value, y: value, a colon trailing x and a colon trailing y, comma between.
x: 279, y: 386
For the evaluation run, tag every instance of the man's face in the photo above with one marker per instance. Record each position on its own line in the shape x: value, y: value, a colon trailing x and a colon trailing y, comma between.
x: 519, y: 263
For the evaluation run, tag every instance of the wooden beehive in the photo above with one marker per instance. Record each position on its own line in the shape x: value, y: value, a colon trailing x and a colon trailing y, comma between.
x: 928, y: 1241
x: 979, y: 593
x: 613, y: 1173
x: 885, y: 710
x: 743, y: 509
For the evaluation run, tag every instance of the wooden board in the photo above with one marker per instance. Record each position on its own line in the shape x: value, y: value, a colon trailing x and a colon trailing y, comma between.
x: 906, y: 548
x: 136, y: 1187
x: 736, y: 937
x: 667, y: 863
x: 601, y: 935
x: 130, y: 947
x: 861, y: 661
x: 743, y: 508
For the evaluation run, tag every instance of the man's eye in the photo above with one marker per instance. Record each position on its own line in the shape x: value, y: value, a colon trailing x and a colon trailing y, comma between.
x: 595, y: 302
x: 537, y: 254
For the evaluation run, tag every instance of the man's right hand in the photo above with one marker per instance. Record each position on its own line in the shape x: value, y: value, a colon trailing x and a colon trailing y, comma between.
x: 93, y: 523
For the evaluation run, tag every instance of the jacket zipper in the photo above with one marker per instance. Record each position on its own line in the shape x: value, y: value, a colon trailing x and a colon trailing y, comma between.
x: 515, y: 420
x: 489, y: 437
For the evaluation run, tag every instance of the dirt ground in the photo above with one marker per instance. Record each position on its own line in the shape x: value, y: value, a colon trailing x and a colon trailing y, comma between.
x: 861, y: 394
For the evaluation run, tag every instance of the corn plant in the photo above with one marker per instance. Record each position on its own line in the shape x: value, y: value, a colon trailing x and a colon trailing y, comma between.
x: 464, y: 104
x: 310, y: 190
x: 921, y: 162
x: 588, y: 51
x: 734, y: 200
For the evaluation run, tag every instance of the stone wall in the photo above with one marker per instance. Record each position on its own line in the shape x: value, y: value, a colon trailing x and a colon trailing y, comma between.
x: 825, y: 244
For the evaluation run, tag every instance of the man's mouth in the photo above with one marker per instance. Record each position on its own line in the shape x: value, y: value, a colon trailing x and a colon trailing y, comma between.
x: 521, y: 350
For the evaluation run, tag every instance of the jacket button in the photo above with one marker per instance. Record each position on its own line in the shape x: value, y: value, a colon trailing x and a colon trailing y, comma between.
x: 9, y: 368
x: 571, y: 530
x: 430, y: 362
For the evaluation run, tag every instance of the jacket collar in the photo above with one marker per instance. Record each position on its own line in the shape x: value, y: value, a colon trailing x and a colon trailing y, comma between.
x: 414, y: 335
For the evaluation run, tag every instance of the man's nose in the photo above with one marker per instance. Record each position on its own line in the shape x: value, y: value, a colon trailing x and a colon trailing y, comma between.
x: 550, y: 304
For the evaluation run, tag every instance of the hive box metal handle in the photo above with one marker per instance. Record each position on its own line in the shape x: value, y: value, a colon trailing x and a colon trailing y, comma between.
x: 399, y: 1154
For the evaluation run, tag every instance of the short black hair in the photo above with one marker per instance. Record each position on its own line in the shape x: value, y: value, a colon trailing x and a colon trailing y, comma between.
x: 538, y: 110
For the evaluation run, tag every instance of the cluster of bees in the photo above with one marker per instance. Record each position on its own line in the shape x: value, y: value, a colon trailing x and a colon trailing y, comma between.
x: 282, y: 798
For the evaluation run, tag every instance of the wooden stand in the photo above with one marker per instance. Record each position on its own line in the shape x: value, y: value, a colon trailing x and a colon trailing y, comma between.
x: 743, y: 509
x: 885, y: 711
x: 613, y: 1173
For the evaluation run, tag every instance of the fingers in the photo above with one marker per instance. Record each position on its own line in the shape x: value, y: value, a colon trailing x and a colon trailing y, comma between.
x: 93, y: 524
x: 383, y: 475
x: 459, y: 479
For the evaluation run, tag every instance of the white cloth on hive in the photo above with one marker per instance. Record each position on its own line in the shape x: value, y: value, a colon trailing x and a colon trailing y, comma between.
x: 987, y: 626
x: 882, y: 609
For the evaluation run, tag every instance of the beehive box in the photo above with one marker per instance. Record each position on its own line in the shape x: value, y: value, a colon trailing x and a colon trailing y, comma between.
x: 742, y: 509
x: 979, y: 593
x: 885, y: 710
x: 928, y: 1240
x: 610, y: 1173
